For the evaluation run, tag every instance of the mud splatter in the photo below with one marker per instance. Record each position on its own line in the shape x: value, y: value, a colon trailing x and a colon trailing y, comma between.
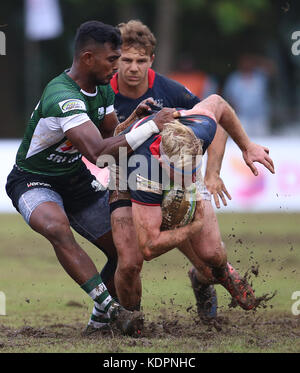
x: 263, y: 299
x: 73, y: 303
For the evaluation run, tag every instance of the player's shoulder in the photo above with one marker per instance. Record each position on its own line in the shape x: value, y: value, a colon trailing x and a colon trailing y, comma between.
x: 62, y: 95
x: 62, y: 85
x: 177, y: 94
x: 167, y: 82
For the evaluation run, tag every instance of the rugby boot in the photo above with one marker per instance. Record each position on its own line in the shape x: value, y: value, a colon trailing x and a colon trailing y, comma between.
x: 92, y: 330
x: 206, y: 297
x: 238, y: 287
x: 128, y: 322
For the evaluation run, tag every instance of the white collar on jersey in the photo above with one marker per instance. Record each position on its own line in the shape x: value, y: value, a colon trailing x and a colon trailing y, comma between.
x: 90, y: 94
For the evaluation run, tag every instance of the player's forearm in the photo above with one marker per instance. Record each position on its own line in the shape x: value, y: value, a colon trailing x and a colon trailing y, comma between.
x: 215, y: 152
x: 112, y: 146
x: 232, y: 125
x: 224, y: 114
x: 126, y: 123
x: 168, y: 240
x: 129, y: 142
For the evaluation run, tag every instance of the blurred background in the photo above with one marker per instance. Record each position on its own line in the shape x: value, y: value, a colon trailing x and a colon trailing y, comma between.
x: 245, y: 50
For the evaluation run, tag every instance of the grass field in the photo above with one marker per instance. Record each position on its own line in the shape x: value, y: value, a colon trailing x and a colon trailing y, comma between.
x: 47, y: 311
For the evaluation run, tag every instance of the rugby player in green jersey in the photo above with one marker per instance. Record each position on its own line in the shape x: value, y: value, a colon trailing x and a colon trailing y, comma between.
x: 50, y: 185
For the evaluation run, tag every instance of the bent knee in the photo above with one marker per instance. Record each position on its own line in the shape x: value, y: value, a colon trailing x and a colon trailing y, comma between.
x: 215, y: 257
x: 130, y: 270
x: 57, y: 231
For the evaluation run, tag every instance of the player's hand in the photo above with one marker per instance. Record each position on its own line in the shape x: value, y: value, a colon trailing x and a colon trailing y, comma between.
x: 165, y: 115
x: 143, y: 109
x: 216, y: 187
x: 258, y: 153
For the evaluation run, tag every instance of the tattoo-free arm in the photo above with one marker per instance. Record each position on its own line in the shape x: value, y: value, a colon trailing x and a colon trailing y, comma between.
x: 122, y: 126
x: 108, y: 125
x: 224, y: 114
x: 215, y: 154
x: 111, y: 126
x: 89, y: 142
x: 152, y: 242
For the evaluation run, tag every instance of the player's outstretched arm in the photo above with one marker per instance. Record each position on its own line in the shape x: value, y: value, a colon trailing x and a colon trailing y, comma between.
x: 216, y: 107
x: 152, y: 242
x: 212, y: 179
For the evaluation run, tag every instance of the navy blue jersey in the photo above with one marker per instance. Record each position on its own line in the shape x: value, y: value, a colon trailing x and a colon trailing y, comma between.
x: 166, y: 92
x: 146, y: 183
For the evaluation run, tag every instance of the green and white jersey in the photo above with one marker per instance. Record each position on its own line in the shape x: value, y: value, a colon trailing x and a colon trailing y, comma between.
x: 64, y: 105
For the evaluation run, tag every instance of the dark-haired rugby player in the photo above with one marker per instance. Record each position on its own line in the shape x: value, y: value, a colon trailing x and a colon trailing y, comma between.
x: 50, y: 185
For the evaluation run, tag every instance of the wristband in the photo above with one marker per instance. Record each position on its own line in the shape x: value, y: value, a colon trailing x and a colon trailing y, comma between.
x: 139, y: 135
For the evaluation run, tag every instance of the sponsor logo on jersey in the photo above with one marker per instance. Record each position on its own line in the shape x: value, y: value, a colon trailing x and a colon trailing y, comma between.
x: 159, y: 102
x: 66, y: 147
x: 73, y: 104
x: 63, y: 159
x: 37, y: 183
x: 100, y: 112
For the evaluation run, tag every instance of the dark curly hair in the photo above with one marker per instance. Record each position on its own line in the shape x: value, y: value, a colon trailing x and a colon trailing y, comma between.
x: 96, y: 32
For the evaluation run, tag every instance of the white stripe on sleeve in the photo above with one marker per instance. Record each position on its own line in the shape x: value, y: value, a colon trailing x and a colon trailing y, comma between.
x: 72, y: 121
x: 110, y: 109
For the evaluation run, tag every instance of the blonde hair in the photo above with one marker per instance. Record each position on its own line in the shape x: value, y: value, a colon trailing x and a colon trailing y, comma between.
x: 179, y: 142
x: 137, y: 35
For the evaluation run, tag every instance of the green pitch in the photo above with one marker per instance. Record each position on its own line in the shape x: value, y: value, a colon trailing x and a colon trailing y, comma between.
x: 46, y: 310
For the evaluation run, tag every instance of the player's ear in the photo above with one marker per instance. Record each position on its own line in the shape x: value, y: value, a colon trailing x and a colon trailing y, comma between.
x: 87, y: 58
x: 152, y: 59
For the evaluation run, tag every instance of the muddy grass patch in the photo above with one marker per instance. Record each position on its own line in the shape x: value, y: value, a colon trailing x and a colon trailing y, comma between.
x: 249, y: 329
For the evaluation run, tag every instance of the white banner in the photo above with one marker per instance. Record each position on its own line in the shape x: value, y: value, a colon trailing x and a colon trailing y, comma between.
x: 42, y: 19
x: 279, y: 192
x: 263, y: 193
x: 8, y: 151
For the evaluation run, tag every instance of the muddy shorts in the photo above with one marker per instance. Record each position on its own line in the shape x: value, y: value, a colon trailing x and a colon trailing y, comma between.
x: 83, y: 198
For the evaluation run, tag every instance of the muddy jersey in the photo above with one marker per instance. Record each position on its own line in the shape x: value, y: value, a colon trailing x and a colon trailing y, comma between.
x: 166, y: 92
x: 64, y: 105
x: 146, y: 178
